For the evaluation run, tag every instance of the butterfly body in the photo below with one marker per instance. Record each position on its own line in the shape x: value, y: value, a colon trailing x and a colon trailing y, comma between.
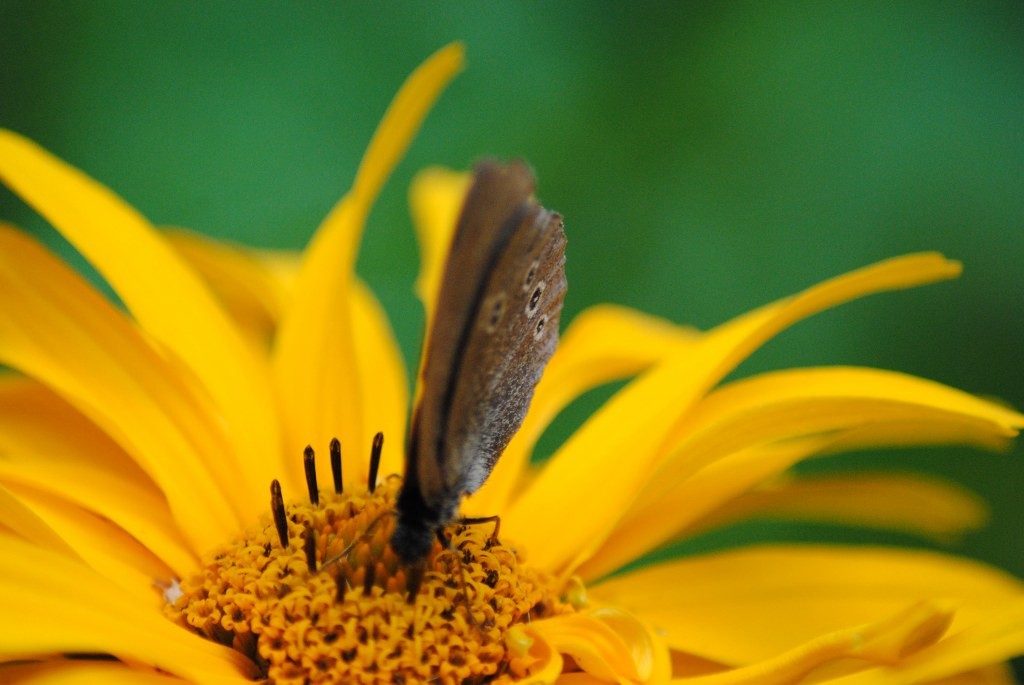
x: 495, y: 328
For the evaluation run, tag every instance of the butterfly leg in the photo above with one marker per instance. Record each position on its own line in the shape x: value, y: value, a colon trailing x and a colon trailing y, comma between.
x: 496, y: 520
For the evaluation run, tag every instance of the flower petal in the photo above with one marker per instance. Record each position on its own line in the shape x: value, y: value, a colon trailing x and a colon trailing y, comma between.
x: 96, y: 617
x: 387, y: 382
x: 164, y: 295
x: 81, y: 672
x: 248, y: 290
x: 316, y: 365
x: 83, y: 466
x: 993, y: 674
x: 616, y: 451
x: 913, y: 503
x: 747, y: 429
x: 100, y: 544
x: 531, y: 656
x: 995, y: 636
x: 602, y: 344
x: 653, y: 522
x: 798, y: 402
x: 57, y: 329
x: 741, y: 606
x: 886, y: 641
x: 435, y: 199
x: 256, y: 288
x: 18, y: 520
x: 606, y: 643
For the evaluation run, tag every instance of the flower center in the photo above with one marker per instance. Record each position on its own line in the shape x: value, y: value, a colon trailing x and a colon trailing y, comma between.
x: 333, y: 606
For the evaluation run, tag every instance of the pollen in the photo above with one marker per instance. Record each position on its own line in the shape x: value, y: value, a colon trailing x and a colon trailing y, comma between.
x: 321, y: 598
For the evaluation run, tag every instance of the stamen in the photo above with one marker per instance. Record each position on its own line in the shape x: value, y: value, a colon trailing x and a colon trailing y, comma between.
x: 378, y: 445
x: 309, y: 546
x: 371, y: 576
x: 280, y: 516
x: 309, y: 463
x: 366, y: 608
x: 336, y: 464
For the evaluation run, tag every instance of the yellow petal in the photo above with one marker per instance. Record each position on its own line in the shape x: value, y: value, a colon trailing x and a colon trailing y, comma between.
x: 602, y: 344
x: 386, y: 382
x: 18, y: 520
x: 531, y: 658
x: 801, y: 403
x: 435, y: 199
x: 741, y: 606
x: 256, y: 288
x: 322, y: 388
x: 82, y: 672
x: 886, y: 641
x: 57, y: 329
x: 164, y: 295
x: 579, y: 678
x: 616, y: 451
x: 710, y: 493
x: 606, y: 643
x: 251, y: 294
x: 83, y: 466
x: 994, y: 674
x: 939, y: 430
x: 995, y: 636
x: 913, y: 503
x: 62, y: 606
x: 776, y: 405
x: 103, y: 546
x: 755, y: 428
x: 655, y: 521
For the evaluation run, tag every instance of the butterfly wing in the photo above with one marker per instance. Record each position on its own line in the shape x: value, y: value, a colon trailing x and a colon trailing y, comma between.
x: 495, y: 327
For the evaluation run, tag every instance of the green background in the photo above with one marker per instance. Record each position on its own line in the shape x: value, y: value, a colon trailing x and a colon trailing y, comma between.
x: 708, y: 157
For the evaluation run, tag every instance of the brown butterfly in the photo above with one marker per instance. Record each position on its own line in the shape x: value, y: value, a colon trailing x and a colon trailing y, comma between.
x: 494, y: 330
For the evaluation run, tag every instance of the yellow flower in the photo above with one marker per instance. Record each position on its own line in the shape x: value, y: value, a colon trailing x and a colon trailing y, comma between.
x: 137, y: 444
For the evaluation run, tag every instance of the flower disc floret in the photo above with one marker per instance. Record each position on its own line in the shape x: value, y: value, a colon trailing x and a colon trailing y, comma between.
x: 345, y: 614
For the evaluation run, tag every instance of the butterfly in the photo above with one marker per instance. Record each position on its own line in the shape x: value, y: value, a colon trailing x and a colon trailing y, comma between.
x: 494, y: 329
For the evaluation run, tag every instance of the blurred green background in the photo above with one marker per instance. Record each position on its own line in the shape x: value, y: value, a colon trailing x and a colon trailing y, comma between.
x: 708, y: 157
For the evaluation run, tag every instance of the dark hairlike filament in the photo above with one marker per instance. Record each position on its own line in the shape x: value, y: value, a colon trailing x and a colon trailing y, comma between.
x: 336, y: 465
x: 309, y: 464
x: 378, y: 445
x: 309, y: 547
x: 280, y: 516
x: 371, y: 575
